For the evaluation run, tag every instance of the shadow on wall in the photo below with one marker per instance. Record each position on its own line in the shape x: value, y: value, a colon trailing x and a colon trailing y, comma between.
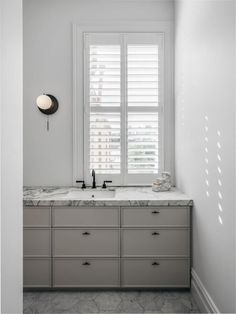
x: 218, y: 166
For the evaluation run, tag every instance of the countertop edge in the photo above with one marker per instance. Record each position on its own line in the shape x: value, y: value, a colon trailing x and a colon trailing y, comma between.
x: 126, y: 196
x: 104, y: 203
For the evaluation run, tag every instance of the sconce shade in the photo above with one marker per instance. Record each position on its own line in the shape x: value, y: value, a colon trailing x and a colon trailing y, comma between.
x: 47, y: 104
x: 44, y: 102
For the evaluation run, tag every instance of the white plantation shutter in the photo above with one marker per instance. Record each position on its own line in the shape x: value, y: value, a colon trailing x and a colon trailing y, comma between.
x: 143, y: 148
x: 104, y: 142
x: 123, y: 102
x: 143, y: 128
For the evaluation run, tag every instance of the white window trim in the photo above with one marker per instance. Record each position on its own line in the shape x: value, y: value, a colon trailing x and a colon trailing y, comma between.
x: 78, y: 88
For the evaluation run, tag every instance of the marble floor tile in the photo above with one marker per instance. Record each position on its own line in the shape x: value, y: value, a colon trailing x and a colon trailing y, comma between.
x: 85, y: 302
x: 87, y: 295
x: 29, y: 299
x: 130, y: 306
x: 85, y: 306
x: 108, y: 301
x: 128, y: 295
x: 65, y: 300
x: 149, y: 301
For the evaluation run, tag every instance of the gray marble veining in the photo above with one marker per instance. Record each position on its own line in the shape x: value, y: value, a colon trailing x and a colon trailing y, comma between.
x: 124, y: 196
x: 109, y: 302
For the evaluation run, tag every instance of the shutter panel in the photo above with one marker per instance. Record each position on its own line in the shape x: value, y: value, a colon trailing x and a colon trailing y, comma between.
x: 104, y: 100
x: 105, y: 142
x: 143, y: 120
x: 143, y: 143
x: 104, y: 69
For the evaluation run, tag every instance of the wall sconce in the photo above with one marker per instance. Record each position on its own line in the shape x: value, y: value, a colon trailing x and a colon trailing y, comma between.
x: 48, y: 105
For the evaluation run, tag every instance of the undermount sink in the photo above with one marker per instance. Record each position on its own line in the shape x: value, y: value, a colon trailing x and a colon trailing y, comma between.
x: 90, y: 194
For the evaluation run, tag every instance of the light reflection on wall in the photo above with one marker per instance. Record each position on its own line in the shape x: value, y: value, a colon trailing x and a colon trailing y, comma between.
x: 219, y: 199
x: 219, y: 179
x: 181, y: 101
x: 206, y: 139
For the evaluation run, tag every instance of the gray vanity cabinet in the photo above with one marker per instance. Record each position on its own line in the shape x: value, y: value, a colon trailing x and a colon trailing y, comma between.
x: 107, y: 246
x: 37, y: 272
x: 155, y: 246
x: 155, y: 242
x: 86, y: 272
x: 85, y: 216
x: 167, y: 216
x: 159, y: 272
x: 74, y: 242
x: 37, y: 216
x: 37, y: 247
x: 86, y: 246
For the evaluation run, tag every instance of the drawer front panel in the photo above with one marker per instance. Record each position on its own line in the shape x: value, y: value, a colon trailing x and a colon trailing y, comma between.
x: 89, y: 242
x: 86, y: 272
x: 159, y: 216
x: 151, y: 242
x: 155, y: 273
x: 36, y: 217
x: 37, y: 242
x: 37, y: 272
x: 82, y: 217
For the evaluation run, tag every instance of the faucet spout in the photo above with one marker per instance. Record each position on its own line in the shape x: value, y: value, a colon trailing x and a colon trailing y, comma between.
x: 94, y: 181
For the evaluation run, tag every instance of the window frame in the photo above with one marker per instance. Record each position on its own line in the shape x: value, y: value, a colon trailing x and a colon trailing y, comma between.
x: 165, y: 28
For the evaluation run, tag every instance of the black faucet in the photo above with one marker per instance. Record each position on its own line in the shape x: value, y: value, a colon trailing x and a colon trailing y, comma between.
x: 94, y: 182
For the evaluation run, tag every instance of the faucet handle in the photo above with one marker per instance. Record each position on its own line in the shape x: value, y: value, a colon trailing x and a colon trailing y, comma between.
x: 104, y: 183
x: 83, y: 183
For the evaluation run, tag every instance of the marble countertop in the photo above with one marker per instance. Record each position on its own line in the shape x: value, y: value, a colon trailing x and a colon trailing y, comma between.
x: 123, y: 196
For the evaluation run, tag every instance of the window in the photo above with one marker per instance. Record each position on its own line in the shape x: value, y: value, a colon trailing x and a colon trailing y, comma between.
x: 123, y: 106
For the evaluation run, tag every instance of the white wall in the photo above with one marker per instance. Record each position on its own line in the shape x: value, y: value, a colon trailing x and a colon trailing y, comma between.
x: 205, y: 132
x: 11, y: 155
x: 48, y: 68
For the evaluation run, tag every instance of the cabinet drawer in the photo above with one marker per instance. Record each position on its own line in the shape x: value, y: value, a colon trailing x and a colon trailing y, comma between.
x: 159, y: 216
x: 85, y: 242
x: 86, y: 273
x: 36, y: 217
x: 151, y: 242
x: 37, y: 272
x: 37, y: 242
x: 155, y: 273
x: 83, y: 217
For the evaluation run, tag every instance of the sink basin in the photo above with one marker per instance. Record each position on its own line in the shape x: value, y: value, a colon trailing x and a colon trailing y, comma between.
x: 90, y: 194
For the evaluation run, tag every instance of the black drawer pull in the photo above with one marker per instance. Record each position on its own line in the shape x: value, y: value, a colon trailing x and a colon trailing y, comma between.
x: 86, y: 264
x: 155, y: 264
x: 155, y: 212
x: 155, y: 233
x: 86, y: 233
